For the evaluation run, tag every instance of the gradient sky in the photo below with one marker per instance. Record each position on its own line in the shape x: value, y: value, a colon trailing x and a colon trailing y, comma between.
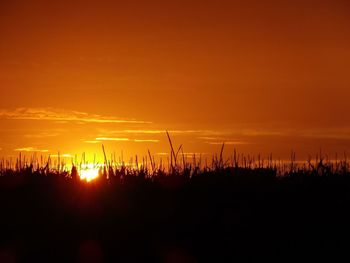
x: 263, y: 76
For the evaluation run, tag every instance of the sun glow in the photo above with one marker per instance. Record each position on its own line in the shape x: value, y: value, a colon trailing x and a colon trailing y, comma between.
x: 89, y: 172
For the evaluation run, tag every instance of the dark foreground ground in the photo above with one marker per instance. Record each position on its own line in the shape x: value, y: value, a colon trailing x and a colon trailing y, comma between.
x: 220, y: 216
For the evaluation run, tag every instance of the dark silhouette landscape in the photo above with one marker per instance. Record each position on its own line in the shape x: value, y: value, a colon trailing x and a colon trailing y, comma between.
x: 225, y: 212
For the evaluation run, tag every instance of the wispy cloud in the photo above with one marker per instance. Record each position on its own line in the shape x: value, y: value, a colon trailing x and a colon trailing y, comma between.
x: 92, y: 142
x: 113, y: 139
x: 252, y: 132
x: 122, y: 140
x: 228, y: 143
x: 315, y: 133
x: 176, y: 132
x: 52, y: 114
x: 221, y: 135
x: 145, y: 140
x: 340, y: 133
x: 140, y: 131
x: 30, y: 149
x: 209, y: 138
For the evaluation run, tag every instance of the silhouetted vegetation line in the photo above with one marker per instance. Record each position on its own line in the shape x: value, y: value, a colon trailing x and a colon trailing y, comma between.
x: 223, y: 210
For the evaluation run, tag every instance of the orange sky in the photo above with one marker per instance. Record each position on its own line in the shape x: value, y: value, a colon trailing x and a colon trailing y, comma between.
x: 264, y: 76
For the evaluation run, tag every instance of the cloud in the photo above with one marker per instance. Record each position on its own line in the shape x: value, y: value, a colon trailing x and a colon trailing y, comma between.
x: 252, y: 132
x: 217, y: 135
x: 30, y: 149
x: 332, y: 133
x: 53, y: 114
x: 141, y: 131
x: 228, y: 143
x: 315, y: 133
x: 92, y: 142
x: 146, y: 140
x: 122, y: 140
x: 172, y: 132
x: 208, y: 138
x: 113, y: 139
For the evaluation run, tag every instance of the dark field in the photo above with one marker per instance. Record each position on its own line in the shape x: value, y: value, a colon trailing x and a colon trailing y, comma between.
x: 193, y: 215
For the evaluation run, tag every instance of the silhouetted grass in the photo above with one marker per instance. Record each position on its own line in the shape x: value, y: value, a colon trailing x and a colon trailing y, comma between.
x: 241, y: 208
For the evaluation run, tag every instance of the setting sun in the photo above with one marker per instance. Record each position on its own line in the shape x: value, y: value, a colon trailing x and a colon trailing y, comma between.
x: 89, y: 172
